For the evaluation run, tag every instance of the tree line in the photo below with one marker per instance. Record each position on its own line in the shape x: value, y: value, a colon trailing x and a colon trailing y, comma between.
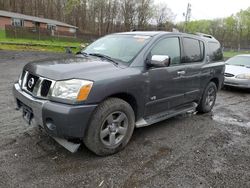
x: 97, y: 16
x: 233, y: 31
x: 107, y: 16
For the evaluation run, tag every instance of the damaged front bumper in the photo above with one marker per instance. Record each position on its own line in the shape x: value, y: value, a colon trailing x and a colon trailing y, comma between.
x: 61, y: 121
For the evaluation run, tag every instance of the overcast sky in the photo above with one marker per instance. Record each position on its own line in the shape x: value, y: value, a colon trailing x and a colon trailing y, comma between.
x: 205, y: 9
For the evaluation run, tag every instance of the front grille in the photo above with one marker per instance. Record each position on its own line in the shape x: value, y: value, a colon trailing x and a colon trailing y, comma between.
x: 45, y: 88
x: 36, y: 85
x: 228, y: 75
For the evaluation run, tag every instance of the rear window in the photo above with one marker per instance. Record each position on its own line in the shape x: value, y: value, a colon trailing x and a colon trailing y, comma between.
x: 215, y: 51
x: 193, y: 49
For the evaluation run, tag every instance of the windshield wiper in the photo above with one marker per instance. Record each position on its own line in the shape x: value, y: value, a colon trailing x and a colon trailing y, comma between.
x: 240, y: 65
x: 104, y: 57
x: 82, y: 53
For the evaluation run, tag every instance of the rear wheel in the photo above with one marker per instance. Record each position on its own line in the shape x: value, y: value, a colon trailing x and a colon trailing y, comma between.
x: 111, y: 127
x: 208, y: 98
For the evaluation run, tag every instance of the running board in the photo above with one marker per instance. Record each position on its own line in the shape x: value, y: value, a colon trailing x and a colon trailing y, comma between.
x: 72, y: 147
x: 165, y: 115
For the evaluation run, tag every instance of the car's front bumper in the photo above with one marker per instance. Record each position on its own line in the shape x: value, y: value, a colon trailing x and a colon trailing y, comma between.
x: 240, y: 83
x: 69, y: 121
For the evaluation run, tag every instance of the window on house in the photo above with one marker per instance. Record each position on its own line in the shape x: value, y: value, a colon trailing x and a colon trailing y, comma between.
x: 17, y: 22
x: 72, y: 30
x: 51, y: 27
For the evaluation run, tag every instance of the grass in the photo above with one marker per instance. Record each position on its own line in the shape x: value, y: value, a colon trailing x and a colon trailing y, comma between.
x: 229, y: 54
x: 2, y: 34
x: 34, y: 48
x: 53, y: 45
x: 58, y: 45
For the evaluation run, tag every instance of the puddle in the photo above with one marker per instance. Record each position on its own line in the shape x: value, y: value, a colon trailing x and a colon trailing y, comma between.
x: 230, y: 120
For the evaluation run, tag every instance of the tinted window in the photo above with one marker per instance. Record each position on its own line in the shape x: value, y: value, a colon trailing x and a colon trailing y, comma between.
x: 193, y: 49
x: 215, y: 52
x: 169, y: 47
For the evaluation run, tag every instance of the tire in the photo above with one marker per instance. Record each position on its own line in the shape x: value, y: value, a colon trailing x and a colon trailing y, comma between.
x: 208, y: 98
x: 111, y: 127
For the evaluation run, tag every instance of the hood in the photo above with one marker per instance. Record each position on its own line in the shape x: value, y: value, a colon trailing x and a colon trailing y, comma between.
x: 236, y: 70
x: 73, y: 67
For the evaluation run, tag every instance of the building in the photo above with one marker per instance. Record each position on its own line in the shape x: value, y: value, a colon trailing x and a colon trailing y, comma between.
x: 24, y: 21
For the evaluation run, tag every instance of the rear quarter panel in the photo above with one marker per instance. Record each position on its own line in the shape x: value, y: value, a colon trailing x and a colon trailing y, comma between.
x: 213, y: 70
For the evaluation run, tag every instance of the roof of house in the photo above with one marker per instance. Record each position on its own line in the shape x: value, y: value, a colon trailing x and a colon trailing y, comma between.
x: 33, y: 18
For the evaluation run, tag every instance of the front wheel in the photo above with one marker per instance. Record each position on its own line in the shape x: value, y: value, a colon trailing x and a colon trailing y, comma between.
x: 111, y: 127
x: 208, y: 98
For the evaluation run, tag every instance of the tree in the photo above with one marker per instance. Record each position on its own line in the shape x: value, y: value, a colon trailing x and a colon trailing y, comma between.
x: 128, y: 9
x: 144, y: 12
x: 163, y: 16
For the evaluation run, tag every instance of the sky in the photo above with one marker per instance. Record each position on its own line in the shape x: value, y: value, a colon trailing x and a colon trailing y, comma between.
x: 205, y: 9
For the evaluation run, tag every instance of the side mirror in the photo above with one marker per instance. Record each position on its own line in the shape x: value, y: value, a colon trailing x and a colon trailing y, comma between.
x: 160, y: 61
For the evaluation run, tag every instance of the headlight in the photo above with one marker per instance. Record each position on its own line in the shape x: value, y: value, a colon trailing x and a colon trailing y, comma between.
x: 243, y: 76
x: 74, y: 90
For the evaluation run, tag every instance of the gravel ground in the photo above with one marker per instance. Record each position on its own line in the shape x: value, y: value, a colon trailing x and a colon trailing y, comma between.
x: 211, y: 150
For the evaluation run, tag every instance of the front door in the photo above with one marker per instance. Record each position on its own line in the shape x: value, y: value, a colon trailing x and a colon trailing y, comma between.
x: 166, y: 84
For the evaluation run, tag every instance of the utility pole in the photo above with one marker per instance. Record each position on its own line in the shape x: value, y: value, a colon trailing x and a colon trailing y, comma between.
x: 187, y: 16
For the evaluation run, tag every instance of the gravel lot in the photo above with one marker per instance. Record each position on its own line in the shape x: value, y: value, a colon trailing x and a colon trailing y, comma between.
x: 211, y: 150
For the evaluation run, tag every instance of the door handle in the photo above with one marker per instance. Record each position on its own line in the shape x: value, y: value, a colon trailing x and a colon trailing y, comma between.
x: 180, y: 73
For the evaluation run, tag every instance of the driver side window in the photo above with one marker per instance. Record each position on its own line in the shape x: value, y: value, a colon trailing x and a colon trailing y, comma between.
x: 169, y: 47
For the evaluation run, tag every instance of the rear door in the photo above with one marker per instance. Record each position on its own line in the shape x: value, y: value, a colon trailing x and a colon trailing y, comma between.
x: 193, y: 61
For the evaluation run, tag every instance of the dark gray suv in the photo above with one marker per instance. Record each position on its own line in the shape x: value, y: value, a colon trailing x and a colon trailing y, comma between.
x: 120, y: 82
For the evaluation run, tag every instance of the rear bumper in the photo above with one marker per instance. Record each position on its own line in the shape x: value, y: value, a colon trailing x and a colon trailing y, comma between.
x: 240, y: 83
x: 68, y: 121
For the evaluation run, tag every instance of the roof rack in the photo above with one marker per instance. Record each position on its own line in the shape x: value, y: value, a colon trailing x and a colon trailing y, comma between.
x: 205, y: 35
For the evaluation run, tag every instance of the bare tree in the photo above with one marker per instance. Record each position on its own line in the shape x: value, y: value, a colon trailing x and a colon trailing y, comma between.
x: 128, y: 8
x: 163, y: 15
x: 144, y: 11
x: 93, y: 16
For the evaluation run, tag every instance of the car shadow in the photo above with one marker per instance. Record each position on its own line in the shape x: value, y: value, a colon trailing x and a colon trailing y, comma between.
x: 236, y: 89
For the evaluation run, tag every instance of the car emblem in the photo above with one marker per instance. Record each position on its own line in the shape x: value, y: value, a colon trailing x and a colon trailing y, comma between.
x: 31, y: 82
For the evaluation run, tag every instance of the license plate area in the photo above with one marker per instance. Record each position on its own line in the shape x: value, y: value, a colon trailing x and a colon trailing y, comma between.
x: 27, y: 113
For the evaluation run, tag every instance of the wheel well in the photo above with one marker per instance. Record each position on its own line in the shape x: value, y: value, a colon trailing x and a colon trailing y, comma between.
x: 216, y: 81
x: 129, y: 99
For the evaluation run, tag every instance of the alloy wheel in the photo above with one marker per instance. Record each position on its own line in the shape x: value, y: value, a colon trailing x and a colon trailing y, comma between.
x: 114, y: 129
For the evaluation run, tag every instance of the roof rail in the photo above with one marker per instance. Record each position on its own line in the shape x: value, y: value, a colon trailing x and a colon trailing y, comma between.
x: 205, y: 35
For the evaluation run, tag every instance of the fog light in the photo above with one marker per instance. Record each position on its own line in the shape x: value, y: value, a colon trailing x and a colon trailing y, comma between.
x: 49, y: 124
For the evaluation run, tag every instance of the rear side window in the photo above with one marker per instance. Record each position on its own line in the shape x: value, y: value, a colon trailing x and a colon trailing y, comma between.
x: 215, y: 51
x: 193, y: 50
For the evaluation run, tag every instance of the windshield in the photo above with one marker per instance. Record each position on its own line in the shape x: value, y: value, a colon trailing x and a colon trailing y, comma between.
x: 239, y: 61
x: 118, y: 47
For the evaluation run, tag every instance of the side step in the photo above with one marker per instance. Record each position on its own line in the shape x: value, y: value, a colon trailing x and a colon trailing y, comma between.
x: 72, y: 147
x: 165, y: 115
